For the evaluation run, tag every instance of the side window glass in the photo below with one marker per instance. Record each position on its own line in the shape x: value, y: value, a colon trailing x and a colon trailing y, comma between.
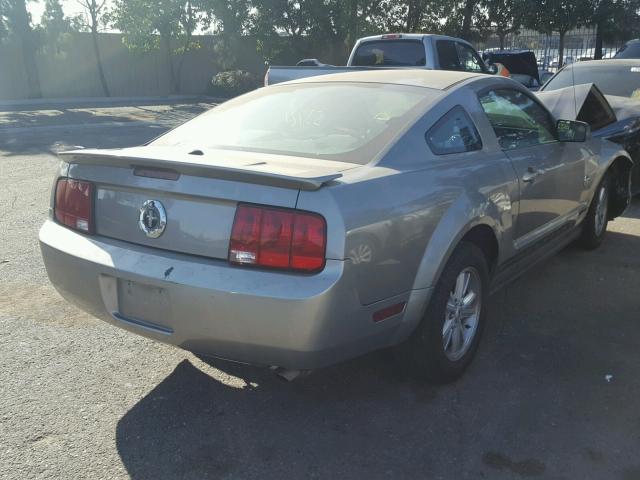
x: 517, y: 120
x: 453, y: 133
x: 469, y: 60
x: 447, y: 55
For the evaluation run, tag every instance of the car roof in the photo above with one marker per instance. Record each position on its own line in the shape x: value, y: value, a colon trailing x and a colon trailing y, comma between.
x: 414, y: 77
x: 621, y: 62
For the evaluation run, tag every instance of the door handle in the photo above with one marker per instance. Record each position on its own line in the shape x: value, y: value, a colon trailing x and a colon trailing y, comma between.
x: 532, y: 174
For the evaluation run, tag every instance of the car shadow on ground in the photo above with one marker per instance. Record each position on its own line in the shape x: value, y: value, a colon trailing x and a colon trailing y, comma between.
x: 552, y: 394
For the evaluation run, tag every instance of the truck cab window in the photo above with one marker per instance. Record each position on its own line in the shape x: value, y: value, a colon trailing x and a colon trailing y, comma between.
x: 448, y: 55
x: 390, y: 53
x: 469, y: 59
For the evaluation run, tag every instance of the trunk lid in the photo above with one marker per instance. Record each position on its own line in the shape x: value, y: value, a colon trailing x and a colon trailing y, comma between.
x: 198, y: 193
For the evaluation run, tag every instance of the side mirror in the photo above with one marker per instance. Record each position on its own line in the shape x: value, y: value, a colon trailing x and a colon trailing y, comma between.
x: 572, y: 131
x: 493, y: 68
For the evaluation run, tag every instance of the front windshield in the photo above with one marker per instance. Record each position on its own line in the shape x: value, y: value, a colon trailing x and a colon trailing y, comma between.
x: 611, y: 79
x: 335, y: 121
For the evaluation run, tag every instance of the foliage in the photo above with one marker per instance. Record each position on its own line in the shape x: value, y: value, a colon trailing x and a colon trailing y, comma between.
x: 95, y: 15
x: 4, y: 27
x: 17, y: 20
x: 233, y: 82
x: 560, y: 16
x: 164, y: 24
x: 94, y: 18
x: 54, y: 24
x: 505, y: 16
x: 613, y: 18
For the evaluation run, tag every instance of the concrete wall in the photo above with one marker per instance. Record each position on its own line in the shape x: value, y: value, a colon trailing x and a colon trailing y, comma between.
x: 69, y: 70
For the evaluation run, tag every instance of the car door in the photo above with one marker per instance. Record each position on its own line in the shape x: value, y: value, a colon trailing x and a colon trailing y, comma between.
x: 550, y: 173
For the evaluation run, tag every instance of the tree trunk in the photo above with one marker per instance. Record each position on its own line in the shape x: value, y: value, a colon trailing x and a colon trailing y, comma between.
x: 414, y: 15
x: 165, y: 45
x: 466, y: 21
x: 561, y: 50
x: 29, y: 47
x: 502, y: 36
x: 96, y: 50
x: 352, y: 28
x: 597, y: 54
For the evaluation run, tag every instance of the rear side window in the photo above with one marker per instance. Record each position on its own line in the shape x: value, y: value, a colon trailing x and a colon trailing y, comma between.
x: 390, y: 53
x: 448, y: 55
x: 454, y: 133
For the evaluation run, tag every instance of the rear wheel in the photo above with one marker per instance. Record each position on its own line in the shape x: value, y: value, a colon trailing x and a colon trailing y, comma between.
x: 595, y: 224
x: 447, y: 338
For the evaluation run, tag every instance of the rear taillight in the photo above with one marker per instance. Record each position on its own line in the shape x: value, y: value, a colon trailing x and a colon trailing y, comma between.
x: 74, y: 204
x: 278, y: 238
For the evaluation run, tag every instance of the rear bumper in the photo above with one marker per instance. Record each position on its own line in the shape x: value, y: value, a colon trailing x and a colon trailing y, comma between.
x: 209, y: 307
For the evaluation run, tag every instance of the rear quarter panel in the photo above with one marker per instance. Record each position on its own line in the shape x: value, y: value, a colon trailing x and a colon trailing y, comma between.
x: 413, y: 207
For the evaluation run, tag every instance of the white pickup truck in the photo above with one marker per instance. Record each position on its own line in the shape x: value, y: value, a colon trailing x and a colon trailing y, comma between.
x: 398, y: 50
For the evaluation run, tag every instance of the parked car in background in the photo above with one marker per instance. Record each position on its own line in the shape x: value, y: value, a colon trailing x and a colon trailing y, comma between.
x: 398, y: 50
x: 521, y: 65
x: 232, y: 234
x: 612, y: 108
x: 631, y: 49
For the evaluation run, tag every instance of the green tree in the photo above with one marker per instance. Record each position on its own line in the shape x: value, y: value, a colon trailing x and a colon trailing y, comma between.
x: 614, y: 20
x: 54, y: 24
x: 4, y: 29
x: 504, y: 16
x: 93, y: 19
x: 18, y: 27
x: 329, y: 22
x: 468, y: 11
x: 229, y: 19
x: 167, y: 25
x: 560, y: 16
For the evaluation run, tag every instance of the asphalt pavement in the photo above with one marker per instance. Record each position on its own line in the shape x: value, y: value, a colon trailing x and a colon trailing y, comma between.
x: 553, y: 393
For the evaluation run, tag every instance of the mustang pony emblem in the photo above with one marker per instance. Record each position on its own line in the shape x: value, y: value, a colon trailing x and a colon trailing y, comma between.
x: 153, y: 218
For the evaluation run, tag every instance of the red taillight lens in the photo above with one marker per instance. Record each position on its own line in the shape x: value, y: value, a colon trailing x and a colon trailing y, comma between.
x: 74, y: 204
x: 278, y: 238
x: 309, y: 241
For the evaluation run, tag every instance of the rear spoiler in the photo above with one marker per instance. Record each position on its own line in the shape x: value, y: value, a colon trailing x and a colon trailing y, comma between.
x: 240, y: 173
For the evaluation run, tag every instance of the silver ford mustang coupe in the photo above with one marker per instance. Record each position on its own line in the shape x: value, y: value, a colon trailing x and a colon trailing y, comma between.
x: 309, y: 222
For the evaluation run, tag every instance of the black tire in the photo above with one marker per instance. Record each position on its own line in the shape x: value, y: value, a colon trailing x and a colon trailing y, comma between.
x: 424, y: 352
x: 593, y: 230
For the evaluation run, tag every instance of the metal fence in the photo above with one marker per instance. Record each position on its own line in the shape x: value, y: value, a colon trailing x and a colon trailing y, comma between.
x: 579, y: 45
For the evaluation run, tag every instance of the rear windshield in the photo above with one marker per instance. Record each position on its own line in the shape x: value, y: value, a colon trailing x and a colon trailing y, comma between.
x: 390, y: 53
x: 630, y: 50
x: 619, y: 80
x: 347, y: 122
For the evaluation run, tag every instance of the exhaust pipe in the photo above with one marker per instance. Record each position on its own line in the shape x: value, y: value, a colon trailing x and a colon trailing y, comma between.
x: 288, y: 375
